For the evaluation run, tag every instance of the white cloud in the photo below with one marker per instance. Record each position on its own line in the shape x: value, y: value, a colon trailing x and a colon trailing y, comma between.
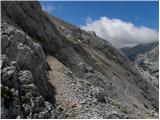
x: 88, y: 19
x: 48, y: 8
x: 120, y: 33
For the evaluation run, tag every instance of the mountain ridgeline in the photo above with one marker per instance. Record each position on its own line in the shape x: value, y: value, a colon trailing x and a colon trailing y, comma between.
x: 146, y: 59
x: 132, y: 52
x: 52, y: 69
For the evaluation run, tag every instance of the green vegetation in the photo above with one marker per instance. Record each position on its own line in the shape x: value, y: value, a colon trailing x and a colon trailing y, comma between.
x: 112, y: 102
x: 124, y: 110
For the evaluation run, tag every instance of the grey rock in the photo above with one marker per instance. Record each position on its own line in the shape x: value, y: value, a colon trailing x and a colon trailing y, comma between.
x: 33, y: 103
x: 132, y: 52
x: 9, y: 76
x: 4, y: 61
x: 27, y: 55
x: 32, y: 23
x: 25, y: 77
x: 4, y: 111
x: 92, y: 73
x: 99, y: 94
x: 15, y: 109
x: 114, y: 115
x: 146, y: 59
x: 92, y: 33
x: 23, y: 74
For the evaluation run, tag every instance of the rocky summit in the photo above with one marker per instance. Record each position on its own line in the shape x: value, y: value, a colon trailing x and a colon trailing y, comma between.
x: 53, y: 69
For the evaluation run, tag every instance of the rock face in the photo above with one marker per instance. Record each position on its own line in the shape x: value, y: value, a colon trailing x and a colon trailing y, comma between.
x: 34, y: 23
x: 132, y: 52
x: 23, y: 69
x: 29, y: 55
x: 88, y: 77
x: 148, y: 64
x: 146, y: 59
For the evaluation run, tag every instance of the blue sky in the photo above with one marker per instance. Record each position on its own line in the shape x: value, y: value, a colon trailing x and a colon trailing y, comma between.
x: 121, y: 23
x: 142, y: 13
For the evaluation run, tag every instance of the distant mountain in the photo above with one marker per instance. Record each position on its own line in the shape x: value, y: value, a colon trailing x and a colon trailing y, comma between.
x: 132, y: 52
x: 148, y: 63
x: 146, y: 58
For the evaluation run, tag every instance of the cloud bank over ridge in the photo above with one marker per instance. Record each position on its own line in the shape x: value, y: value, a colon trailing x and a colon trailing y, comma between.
x: 120, y: 33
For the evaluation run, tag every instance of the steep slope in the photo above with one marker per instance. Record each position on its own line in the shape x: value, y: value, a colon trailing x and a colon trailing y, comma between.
x: 148, y: 63
x: 108, y: 60
x: 132, y: 52
x: 146, y: 59
x: 103, y: 82
x: 79, y: 98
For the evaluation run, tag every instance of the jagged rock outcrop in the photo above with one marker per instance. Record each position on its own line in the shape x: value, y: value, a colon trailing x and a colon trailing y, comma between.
x: 98, y: 81
x: 23, y: 68
x: 132, y: 52
x: 146, y: 59
x: 148, y: 64
x: 27, y: 55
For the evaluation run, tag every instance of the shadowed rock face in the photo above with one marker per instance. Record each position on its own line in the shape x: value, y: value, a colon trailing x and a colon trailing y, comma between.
x: 34, y: 22
x: 103, y: 82
x: 24, y: 81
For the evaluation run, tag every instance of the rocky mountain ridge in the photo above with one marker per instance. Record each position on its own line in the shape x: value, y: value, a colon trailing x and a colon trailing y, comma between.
x: 148, y: 64
x: 132, y: 52
x: 146, y: 59
x: 84, y: 76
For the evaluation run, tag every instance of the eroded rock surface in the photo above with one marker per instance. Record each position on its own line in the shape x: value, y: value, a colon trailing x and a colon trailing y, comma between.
x: 146, y: 59
x: 148, y: 64
x: 23, y: 68
x: 79, y: 98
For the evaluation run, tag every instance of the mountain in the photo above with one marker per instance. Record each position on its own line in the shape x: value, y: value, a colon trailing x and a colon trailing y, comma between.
x: 146, y: 59
x: 132, y: 52
x: 52, y: 69
x: 148, y: 64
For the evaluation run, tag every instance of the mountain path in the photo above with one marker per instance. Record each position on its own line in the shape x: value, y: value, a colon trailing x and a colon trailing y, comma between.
x: 57, y: 77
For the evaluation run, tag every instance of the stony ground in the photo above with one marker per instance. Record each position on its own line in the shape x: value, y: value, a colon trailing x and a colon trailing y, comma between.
x: 78, y: 98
